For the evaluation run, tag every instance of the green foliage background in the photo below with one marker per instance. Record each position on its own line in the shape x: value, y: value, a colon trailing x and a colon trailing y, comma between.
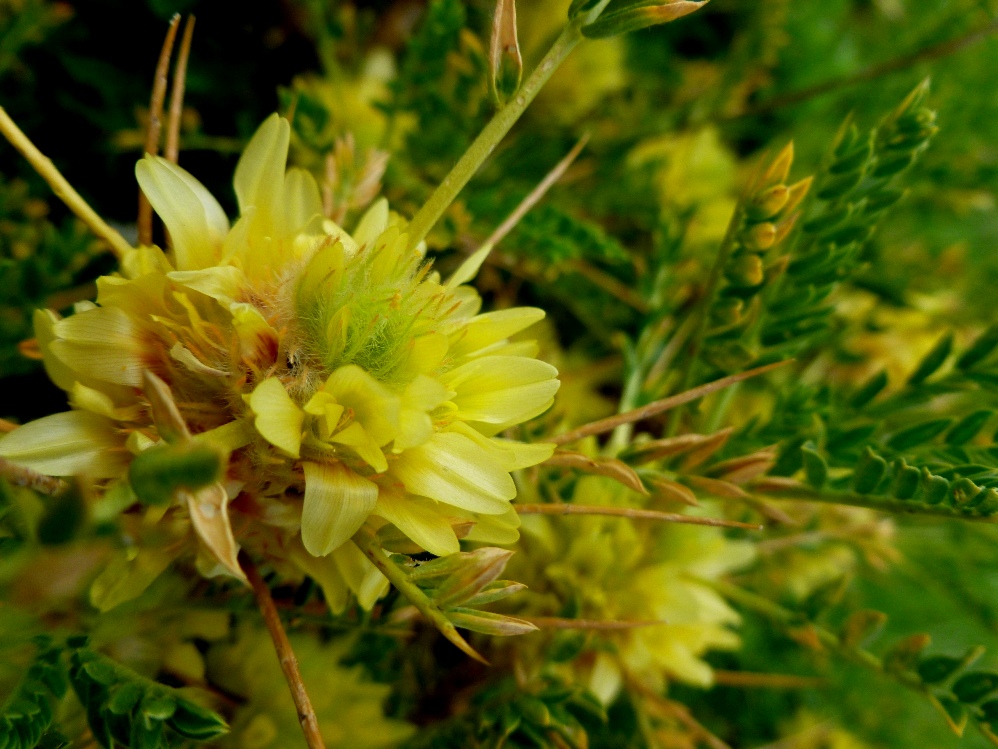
x: 679, y: 117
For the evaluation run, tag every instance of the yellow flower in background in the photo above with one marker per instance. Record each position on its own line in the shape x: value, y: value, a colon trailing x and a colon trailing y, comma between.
x: 344, y: 380
x: 348, y: 705
x: 622, y: 571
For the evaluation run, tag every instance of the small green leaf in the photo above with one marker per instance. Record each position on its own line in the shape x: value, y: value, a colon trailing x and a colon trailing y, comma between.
x: 932, y: 360
x: 938, y: 668
x: 905, y: 482
x: 815, y: 467
x: 868, y: 473
x: 869, y: 390
x: 931, y: 489
x: 968, y: 427
x: 158, y: 473
x: 979, y: 349
x: 975, y: 686
x: 918, y: 434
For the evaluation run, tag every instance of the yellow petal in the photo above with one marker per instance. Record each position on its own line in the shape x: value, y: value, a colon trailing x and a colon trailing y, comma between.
x: 302, y: 203
x: 420, y: 396
x: 337, y: 502
x: 66, y: 444
x: 427, y: 352
x: 44, y: 322
x: 492, y: 327
x: 278, y: 419
x: 228, y: 437
x: 356, y: 436
x: 196, y: 222
x: 97, y: 401
x: 328, y: 411
x: 258, y: 340
x: 224, y: 283
x: 453, y: 469
x: 419, y: 519
x: 103, y: 344
x: 495, y: 529
x: 502, y: 389
x: 469, y: 268
x: 372, y: 223
x: 326, y: 573
x: 143, y: 260
x: 375, y: 407
x: 360, y: 574
x: 259, y: 178
x: 526, y: 454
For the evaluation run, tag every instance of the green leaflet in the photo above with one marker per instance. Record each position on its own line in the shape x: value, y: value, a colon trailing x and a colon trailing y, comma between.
x: 129, y: 709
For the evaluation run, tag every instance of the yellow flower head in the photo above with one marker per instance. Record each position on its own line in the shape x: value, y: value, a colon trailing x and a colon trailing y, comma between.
x: 620, y: 571
x: 346, y: 383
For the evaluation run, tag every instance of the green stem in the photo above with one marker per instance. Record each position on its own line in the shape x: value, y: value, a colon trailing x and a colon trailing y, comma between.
x: 494, y: 132
x: 702, y: 312
x: 397, y: 576
x: 787, y: 619
x: 873, y: 502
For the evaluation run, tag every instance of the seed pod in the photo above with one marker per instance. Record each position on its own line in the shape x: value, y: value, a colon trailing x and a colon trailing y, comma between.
x: 745, y: 270
x: 760, y: 236
x: 768, y: 203
x: 506, y: 63
x: 779, y: 170
x: 634, y: 19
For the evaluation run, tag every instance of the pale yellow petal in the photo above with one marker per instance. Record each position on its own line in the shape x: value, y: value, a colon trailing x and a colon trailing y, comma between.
x: 375, y: 407
x: 469, y: 268
x: 196, y: 222
x: 258, y: 340
x: 419, y: 519
x: 224, y: 283
x: 495, y: 529
x: 278, y: 419
x: 326, y: 572
x: 426, y: 354
x: 372, y: 223
x: 502, y: 389
x: 337, y: 502
x: 228, y: 437
x: 44, y: 322
x: 97, y: 401
x: 356, y: 437
x: 526, y: 454
x: 302, y: 203
x: 490, y: 328
x: 66, y: 444
x: 451, y: 468
x: 259, y: 178
x: 103, y: 344
x: 361, y: 576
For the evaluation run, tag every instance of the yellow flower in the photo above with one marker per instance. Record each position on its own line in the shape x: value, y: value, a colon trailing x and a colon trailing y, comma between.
x: 345, y: 381
x: 622, y: 571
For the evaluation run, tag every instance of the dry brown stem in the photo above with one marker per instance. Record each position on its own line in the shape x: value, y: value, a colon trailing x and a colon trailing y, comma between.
x: 629, y: 512
x: 172, y: 148
x: 160, y: 81
x: 21, y: 476
x: 289, y: 663
x: 652, y: 409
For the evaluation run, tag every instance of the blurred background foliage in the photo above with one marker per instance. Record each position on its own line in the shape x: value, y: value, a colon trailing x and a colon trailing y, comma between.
x: 679, y: 119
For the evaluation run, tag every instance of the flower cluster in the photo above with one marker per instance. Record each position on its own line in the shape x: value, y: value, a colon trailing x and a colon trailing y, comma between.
x: 341, y: 381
